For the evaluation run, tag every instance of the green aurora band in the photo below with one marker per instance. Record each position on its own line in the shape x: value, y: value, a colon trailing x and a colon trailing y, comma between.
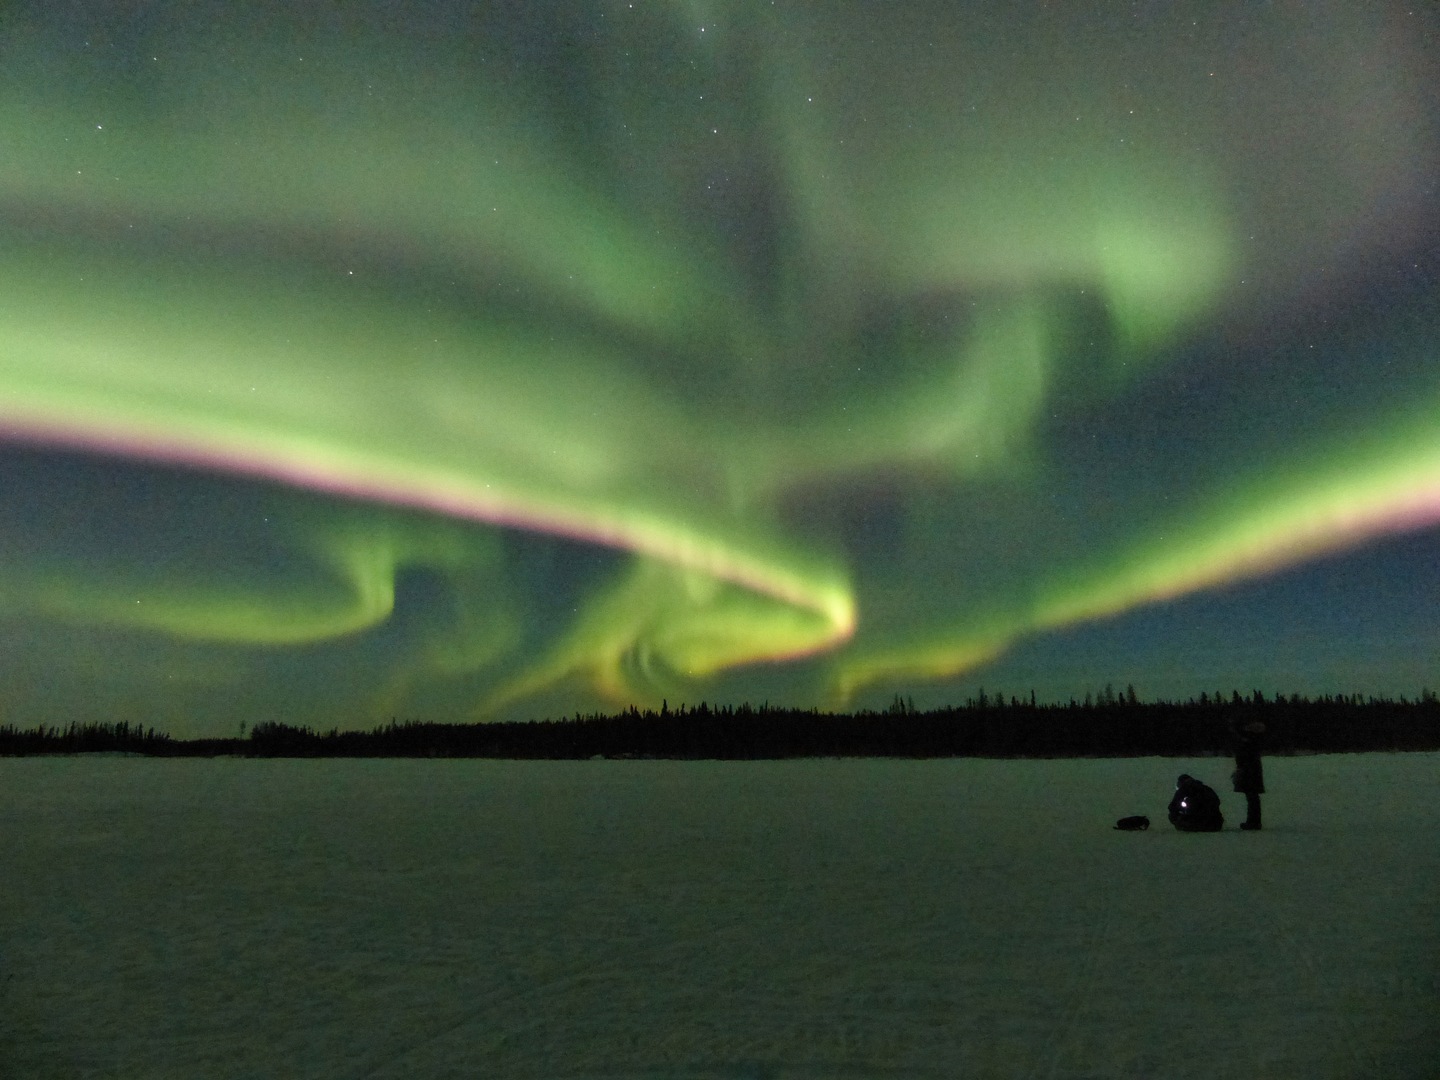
x: 791, y: 331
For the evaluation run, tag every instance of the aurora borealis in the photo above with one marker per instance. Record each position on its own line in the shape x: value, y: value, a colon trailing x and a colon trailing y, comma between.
x: 461, y: 361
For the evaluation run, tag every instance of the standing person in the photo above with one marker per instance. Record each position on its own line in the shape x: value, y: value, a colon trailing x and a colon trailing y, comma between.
x: 1249, y: 777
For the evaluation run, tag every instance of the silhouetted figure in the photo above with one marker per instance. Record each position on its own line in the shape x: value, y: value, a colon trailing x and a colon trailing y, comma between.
x: 1248, y: 777
x: 1195, y: 807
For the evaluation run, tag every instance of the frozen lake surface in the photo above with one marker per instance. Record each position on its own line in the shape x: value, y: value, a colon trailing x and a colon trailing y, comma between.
x: 814, y: 919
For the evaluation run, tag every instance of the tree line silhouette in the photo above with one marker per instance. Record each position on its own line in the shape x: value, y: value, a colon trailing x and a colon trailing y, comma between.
x: 1107, y: 724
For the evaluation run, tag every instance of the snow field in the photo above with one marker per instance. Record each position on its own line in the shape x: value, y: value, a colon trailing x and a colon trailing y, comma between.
x: 838, y: 918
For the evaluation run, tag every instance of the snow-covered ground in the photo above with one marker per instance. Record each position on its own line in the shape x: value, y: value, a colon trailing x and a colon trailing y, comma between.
x: 387, y: 919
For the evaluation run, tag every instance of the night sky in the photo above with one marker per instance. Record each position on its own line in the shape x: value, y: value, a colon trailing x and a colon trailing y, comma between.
x: 459, y: 361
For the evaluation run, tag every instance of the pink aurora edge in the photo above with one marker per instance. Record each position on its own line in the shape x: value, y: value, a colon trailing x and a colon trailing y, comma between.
x: 1393, y: 510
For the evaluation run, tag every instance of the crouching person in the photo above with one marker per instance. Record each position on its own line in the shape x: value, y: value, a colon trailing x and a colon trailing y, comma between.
x: 1195, y: 807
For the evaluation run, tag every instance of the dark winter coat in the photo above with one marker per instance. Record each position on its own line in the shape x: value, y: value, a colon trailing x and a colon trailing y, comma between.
x: 1248, y: 776
x: 1195, y: 807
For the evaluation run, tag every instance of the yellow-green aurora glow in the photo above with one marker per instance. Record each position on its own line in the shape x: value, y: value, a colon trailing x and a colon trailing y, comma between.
x: 466, y: 361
